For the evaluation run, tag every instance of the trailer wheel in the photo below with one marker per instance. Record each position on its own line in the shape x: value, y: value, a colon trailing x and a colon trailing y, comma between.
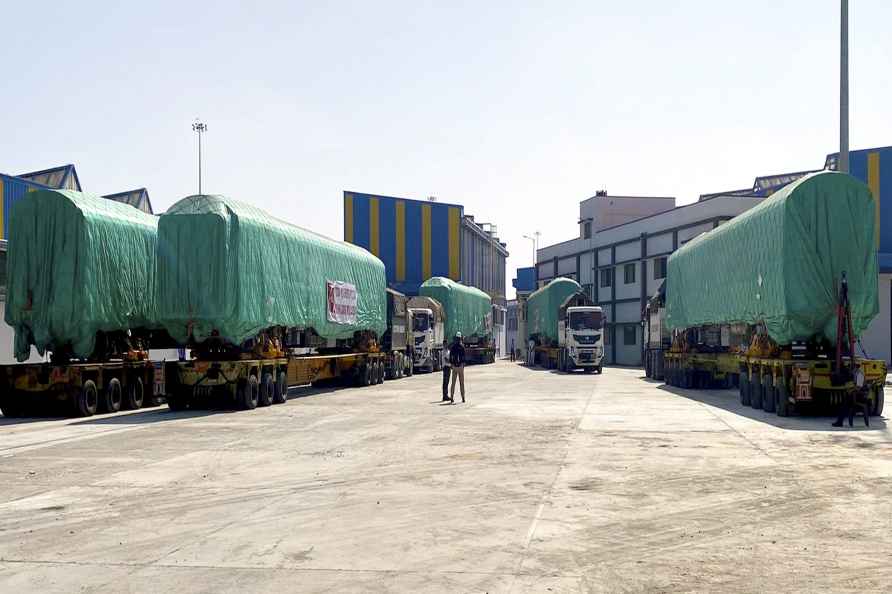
x: 10, y: 405
x: 365, y: 375
x: 280, y: 391
x: 878, y: 402
x: 135, y: 391
x: 744, y: 386
x: 112, y: 397
x: 756, y: 392
x: 87, y: 400
x: 769, y: 395
x: 247, y: 393
x: 410, y: 367
x: 783, y: 399
x: 177, y: 402
x: 265, y: 390
x: 599, y: 370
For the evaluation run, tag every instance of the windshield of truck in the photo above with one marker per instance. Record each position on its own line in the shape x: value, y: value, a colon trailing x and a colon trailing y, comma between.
x: 420, y: 323
x: 586, y: 320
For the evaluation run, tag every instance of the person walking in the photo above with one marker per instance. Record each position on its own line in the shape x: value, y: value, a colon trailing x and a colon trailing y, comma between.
x: 457, y: 358
x: 512, y: 349
x: 447, y: 367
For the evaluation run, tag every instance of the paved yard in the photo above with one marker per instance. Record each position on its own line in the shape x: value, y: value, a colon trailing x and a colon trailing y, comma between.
x: 542, y: 482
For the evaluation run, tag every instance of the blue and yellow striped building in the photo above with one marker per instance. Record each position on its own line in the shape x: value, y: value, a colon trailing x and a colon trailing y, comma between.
x: 415, y: 239
x: 874, y: 167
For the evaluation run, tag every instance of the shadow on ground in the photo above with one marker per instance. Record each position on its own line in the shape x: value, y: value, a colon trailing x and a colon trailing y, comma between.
x: 729, y: 400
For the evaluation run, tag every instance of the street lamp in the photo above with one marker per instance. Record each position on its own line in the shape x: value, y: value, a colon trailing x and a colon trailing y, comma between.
x: 535, y: 241
x: 199, y: 128
x: 843, y: 164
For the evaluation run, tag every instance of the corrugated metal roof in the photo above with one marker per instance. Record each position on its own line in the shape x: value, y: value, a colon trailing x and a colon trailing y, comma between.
x: 63, y: 177
x: 138, y: 198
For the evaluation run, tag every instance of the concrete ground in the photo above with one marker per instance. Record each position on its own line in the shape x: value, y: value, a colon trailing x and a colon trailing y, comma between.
x: 542, y: 482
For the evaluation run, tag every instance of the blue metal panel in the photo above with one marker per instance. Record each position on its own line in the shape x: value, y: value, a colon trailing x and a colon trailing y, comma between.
x: 526, y: 279
x: 14, y: 189
x: 361, y: 221
x: 439, y: 240
x: 387, y: 240
x: 413, y: 245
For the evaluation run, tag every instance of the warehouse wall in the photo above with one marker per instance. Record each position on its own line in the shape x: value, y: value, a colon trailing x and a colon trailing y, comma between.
x: 12, y: 190
x: 415, y: 239
x: 877, y: 339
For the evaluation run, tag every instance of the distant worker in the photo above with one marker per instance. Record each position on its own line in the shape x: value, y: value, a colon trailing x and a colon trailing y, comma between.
x: 457, y: 358
x: 447, y: 366
x: 512, y: 350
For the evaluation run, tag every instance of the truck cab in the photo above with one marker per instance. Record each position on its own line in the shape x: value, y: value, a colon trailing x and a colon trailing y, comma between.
x: 427, y: 342
x: 581, y: 337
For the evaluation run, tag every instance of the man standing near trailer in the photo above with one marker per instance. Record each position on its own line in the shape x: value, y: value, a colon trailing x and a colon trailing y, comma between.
x: 457, y: 358
x: 446, y: 364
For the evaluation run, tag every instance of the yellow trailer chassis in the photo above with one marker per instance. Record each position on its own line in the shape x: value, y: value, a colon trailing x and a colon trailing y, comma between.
x: 253, y: 382
x: 775, y: 384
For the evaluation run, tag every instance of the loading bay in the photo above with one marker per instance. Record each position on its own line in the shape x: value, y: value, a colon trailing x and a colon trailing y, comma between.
x: 541, y: 482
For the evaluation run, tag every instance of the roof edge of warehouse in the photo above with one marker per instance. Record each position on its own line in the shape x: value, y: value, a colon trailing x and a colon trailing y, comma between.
x: 606, y: 195
x: 650, y: 216
x: 353, y: 193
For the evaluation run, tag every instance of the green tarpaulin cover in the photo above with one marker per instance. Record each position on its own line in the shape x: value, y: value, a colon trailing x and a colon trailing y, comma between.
x: 781, y: 262
x: 543, y: 308
x: 468, y: 309
x: 228, y: 266
x: 77, y: 264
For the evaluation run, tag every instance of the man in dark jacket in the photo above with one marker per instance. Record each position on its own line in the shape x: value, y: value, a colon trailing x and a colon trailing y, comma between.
x: 457, y: 358
x: 447, y: 365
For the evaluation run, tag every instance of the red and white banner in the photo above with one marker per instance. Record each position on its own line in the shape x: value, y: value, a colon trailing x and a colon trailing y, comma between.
x: 341, y: 302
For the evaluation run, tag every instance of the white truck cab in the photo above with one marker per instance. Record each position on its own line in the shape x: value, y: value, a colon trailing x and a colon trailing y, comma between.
x: 581, y: 337
x: 427, y: 336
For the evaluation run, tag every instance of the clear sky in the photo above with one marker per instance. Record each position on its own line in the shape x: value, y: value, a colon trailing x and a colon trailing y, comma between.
x: 518, y: 110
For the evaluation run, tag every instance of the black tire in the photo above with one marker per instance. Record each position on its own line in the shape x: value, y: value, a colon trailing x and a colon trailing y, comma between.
x: 177, y: 402
x: 87, y: 400
x: 11, y: 405
x: 112, y: 396
x: 783, y: 399
x: 599, y: 370
x: 248, y: 393
x: 756, y: 392
x: 744, y: 389
x: 265, y: 390
x: 135, y: 394
x: 876, y: 408
x: 769, y: 399
x: 280, y: 390
x: 365, y: 375
x: 179, y: 397
x: 410, y: 368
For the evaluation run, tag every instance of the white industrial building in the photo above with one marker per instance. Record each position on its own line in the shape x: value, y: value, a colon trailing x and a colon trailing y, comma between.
x: 622, y: 264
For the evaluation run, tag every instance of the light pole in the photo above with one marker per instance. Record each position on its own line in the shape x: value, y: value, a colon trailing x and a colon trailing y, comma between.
x: 843, y: 164
x: 535, y: 240
x: 199, y: 128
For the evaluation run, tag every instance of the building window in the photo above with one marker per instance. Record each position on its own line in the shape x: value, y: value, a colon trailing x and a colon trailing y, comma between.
x: 660, y: 268
x: 630, y: 335
x: 587, y: 230
x: 605, y: 277
x: 629, y: 273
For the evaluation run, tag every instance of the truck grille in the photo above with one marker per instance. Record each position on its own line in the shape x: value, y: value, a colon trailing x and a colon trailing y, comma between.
x: 585, y: 339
